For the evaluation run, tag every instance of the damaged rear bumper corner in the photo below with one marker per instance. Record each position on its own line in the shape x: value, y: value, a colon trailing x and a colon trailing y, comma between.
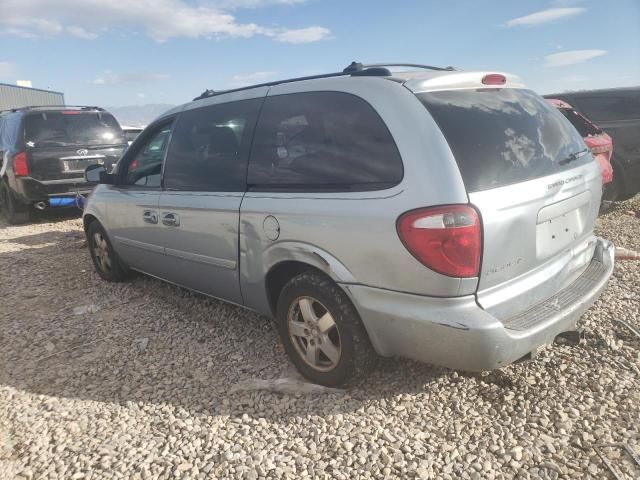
x: 457, y: 333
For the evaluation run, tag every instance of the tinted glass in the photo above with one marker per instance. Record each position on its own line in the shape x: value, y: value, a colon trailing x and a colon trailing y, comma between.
x: 584, y: 126
x: 504, y: 136
x: 9, y: 132
x: 145, y: 168
x: 64, y: 128
x: 209, y: 149
x: 611, y: 108
x: 322, y: 140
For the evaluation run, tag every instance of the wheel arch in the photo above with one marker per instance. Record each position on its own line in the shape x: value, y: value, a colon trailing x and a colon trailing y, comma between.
x: 288, y: 259
x: 87, y: 220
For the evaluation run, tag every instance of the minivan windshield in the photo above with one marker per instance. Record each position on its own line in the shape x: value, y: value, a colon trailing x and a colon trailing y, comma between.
x: 501, y: 136
x: 71, y: 128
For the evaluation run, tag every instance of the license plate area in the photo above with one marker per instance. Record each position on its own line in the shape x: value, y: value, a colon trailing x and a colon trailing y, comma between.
x: 561, y: 224
x: 558, y: 233
x: 78, y: 165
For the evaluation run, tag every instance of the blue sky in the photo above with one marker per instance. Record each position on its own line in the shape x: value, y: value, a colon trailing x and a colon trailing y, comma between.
x: 118, y: 52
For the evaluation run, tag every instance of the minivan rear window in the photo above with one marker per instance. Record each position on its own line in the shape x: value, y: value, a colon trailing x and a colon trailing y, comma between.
x: 71, y: 128
x: 504, y: 136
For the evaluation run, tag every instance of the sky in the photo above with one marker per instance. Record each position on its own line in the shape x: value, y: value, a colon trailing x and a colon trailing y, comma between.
x: 123, y: 52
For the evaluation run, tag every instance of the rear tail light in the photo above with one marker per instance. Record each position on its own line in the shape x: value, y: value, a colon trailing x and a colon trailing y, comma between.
x: 494, y: 79
x: 446, y: 239
x: 20, y: 166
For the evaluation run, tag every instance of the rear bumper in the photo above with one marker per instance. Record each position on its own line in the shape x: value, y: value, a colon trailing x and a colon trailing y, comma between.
x: 457, y: 333
x: 29, y: 190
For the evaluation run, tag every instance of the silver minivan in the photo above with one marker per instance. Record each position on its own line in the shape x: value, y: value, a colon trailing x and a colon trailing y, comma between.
x: 433, y: 214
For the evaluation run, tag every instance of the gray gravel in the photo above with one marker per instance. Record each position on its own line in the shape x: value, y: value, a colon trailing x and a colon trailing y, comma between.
x: 137, y: 380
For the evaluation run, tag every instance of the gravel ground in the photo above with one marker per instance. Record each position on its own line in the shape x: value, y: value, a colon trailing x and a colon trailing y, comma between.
x: 136, y: 380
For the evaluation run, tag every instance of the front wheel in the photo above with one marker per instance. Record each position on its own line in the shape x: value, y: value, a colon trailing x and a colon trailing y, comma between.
x: 105, y: 259
x: 322, y: 332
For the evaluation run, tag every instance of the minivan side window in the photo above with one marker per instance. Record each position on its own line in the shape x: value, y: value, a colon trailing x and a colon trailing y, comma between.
x: 145, y: 168
x: 611, y: 108
x: 317, y: 141
x: 210, y: 147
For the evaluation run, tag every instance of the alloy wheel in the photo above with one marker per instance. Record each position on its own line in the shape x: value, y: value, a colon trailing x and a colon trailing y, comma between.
x: 101, y: 252
x: 314, y: 334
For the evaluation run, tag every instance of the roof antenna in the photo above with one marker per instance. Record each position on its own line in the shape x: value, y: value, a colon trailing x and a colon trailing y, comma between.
x: 205, y: 94
x: 353, y: 67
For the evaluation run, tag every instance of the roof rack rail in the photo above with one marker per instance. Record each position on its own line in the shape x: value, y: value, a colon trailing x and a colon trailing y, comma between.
x: 412, y: 65
x: 350, y: 70
x: 54, y: 107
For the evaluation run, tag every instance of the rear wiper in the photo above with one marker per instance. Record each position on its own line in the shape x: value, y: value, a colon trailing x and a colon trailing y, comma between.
x: 572, y: 157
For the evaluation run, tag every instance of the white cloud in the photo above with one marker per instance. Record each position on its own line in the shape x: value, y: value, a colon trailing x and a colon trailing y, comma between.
x: 160, y: 20
x: 251, y: 79
x: 234, y: 4
x: 7, y: 69
x: 81, y: 33
x: 131, y: 78
x: 571, y: 57
x: 545, y: 16
x: 301, y: 35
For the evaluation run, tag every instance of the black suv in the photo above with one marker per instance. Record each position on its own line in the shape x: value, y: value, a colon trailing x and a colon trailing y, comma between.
x: 44, y: 152
x: 617, y: 111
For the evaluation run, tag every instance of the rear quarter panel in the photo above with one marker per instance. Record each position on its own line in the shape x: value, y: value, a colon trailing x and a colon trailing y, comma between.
x: 355, y: 232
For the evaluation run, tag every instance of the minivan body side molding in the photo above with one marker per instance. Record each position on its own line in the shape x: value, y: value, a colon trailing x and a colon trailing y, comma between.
x: 137, y: 244
x: 194, y: 257
x: 218, y: 262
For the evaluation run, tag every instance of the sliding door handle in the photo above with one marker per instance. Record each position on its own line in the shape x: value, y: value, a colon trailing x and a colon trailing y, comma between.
x: 149, y: 216
x: 170, y: 219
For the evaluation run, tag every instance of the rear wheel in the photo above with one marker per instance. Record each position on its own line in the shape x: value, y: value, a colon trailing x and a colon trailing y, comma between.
x: 322, y: 332
x: 611, y: 190
x: 12, y: 211
x: 105, y: 259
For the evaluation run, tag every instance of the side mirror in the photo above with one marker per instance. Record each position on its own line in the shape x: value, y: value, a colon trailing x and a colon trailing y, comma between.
x: 97, y: 174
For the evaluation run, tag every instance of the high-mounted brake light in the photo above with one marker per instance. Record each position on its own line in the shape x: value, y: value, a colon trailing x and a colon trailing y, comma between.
x: 20, y: 165
x: 446, y: 239
x: 71, y: 112
x: 494, y: 79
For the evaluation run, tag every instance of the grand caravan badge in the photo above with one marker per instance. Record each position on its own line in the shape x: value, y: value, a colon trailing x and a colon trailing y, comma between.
x: 565, y: 181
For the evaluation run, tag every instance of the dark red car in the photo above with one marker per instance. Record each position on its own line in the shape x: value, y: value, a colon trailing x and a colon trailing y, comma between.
x: 600, y: 144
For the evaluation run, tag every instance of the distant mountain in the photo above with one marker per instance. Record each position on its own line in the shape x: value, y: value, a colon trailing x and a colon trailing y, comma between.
x: 136, y: 115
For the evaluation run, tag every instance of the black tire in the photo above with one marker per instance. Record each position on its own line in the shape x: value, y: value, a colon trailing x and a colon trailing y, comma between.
x: 611, y: 191
x: 112, y: 268
x: 11, y: 210
x: 356, y: 356
x: 626, y: 196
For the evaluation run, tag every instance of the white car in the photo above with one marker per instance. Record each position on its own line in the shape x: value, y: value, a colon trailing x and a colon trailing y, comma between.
x: 130, y: 133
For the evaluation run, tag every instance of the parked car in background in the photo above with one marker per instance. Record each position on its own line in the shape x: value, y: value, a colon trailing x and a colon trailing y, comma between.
x: 130, y: 133
x: 617, y: 112
x: 599, y: 143
x: 44, y: 152
x: 433, y: 214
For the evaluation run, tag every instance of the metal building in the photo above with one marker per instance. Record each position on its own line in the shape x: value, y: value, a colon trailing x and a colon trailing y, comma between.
x: 12, y: 96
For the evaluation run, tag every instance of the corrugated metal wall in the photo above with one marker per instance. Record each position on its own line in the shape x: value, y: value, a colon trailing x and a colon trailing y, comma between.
x: 12, y: 96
